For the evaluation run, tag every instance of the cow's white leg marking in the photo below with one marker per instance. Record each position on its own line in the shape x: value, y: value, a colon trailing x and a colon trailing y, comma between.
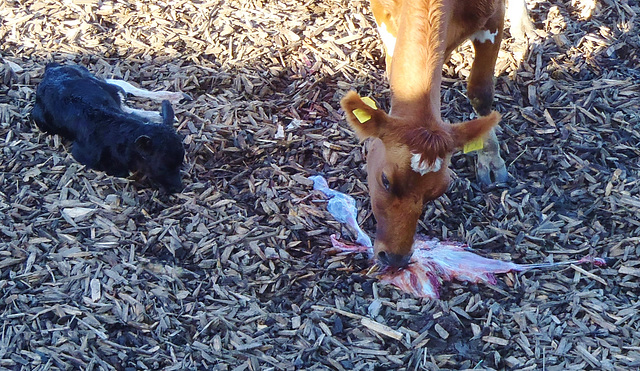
x: 484, y: 36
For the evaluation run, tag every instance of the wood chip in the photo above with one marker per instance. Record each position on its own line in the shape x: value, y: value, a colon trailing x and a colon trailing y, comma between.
x: 495, y: 340
x: 381, y: 329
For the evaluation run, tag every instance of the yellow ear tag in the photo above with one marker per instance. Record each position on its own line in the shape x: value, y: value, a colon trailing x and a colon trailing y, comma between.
x: 370, y: 102
x: 473, y: 145
x: 362, y: 115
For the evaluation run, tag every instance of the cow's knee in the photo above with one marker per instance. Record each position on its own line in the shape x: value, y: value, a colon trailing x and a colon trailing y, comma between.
x: 481, y: 94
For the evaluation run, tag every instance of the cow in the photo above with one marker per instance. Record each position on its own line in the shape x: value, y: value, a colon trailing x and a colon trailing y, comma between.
x: 411, y: 147
x: 106, y: 134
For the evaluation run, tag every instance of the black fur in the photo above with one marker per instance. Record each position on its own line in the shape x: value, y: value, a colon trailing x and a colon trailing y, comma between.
x: 73, y: 103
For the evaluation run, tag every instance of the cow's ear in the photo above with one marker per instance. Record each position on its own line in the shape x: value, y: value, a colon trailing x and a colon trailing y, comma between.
x: 468, y: 131
x: 143, y: 144
x: 363, y: 115
x: 167, y: 113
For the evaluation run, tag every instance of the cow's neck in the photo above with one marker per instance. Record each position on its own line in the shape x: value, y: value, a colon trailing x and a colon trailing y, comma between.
x: 416, y: 69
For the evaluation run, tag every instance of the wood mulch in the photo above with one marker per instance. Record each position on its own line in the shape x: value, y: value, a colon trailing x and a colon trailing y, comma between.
x: 99, y: 272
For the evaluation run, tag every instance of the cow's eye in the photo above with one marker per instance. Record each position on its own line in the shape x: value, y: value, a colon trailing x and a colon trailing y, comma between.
x: 385, y: 182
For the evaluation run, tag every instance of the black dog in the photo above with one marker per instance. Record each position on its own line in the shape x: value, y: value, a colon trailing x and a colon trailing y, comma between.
x: 107, y: 135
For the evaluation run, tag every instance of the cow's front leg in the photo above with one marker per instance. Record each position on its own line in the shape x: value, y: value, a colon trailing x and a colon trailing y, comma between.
x: 486, y: 42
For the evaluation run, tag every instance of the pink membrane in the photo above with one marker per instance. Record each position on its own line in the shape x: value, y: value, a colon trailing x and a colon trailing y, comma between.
x: 434, y: 262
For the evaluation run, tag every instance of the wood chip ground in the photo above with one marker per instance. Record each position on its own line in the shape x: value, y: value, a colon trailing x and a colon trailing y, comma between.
x: 99, y: 272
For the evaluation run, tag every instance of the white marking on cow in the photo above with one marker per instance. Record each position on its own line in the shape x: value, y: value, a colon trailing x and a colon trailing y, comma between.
x: 172, y: 97
x: 148, y: 115
x: 484, y: 36
x: 421, y: 167
x: 388, y: 39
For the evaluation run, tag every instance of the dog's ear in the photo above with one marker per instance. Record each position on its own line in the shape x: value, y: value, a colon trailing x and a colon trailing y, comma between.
x: 144, y: 145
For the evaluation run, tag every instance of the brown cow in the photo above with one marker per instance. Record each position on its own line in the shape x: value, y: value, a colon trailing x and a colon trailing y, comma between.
x: 411, y: 149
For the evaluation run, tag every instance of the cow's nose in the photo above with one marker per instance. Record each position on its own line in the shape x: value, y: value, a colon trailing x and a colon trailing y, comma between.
x: 394, y: 260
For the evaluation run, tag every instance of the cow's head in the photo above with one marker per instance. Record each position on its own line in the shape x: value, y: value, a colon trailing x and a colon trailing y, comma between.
x: 407, y: 166
x: 160, y: 152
